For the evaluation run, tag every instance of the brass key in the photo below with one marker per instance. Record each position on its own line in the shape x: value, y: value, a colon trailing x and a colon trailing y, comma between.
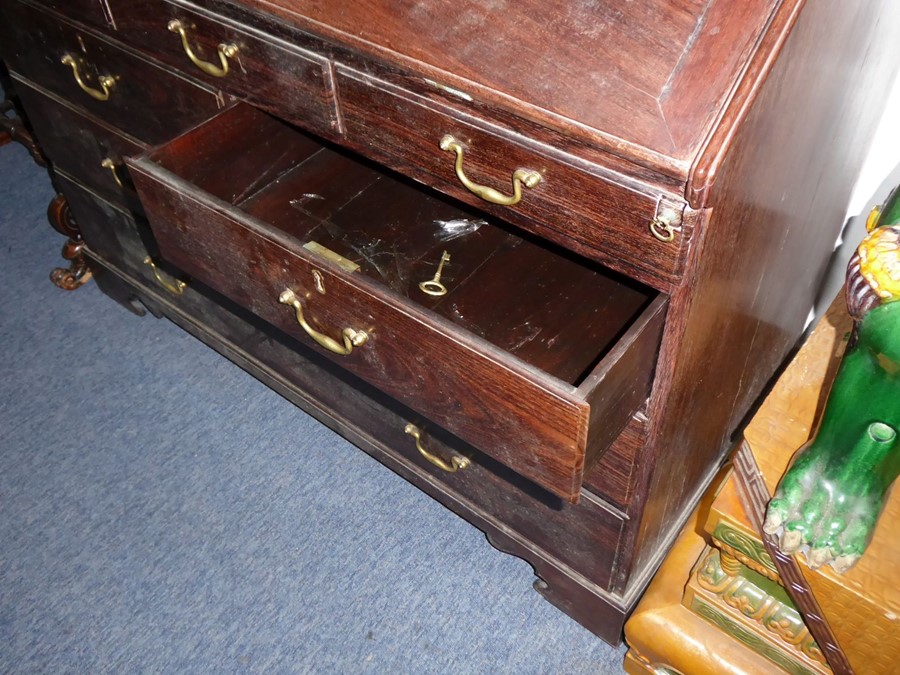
x: 434, y: 286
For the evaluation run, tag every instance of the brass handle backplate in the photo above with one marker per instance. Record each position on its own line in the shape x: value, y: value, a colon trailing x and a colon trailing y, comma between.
x: 520, y: 177
x: 108, y: 163
x: 106, y: 82
x: 225, y: 52
x: 350, y: 337
x: 456, y: 462
x: 174, y: 286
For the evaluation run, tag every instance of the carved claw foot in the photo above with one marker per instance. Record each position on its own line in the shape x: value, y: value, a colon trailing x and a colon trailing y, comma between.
x: 829, y: 501
x: 78, y: 273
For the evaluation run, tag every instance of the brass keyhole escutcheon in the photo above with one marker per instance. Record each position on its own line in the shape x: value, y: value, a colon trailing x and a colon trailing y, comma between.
x: 319, y: 281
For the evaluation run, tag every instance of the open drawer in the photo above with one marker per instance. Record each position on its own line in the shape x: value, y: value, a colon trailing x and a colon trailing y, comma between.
x: 534, y: 356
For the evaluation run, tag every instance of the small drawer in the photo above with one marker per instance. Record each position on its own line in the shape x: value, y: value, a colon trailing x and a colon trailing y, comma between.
x: 535, y: 357
x: 82, y: 146
x: 583, y: 211
x: 143, y: 100
x: 293, y: 82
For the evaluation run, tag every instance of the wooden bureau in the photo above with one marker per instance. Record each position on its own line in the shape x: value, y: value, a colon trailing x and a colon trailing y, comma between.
x: 539, y: 259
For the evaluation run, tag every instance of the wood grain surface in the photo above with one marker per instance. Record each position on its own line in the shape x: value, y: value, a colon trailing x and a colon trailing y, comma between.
x: 589, y: 83
x: 778, y: 204
x: 295, y: 82
x: 147, y: 102
x: 611, y: 221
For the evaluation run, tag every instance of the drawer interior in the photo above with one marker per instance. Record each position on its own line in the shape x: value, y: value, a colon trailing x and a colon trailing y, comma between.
x: 552, y: 310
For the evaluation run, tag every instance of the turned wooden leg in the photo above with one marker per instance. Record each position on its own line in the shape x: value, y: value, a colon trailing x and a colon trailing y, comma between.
x: 12, y: 129
x: 78, y: 272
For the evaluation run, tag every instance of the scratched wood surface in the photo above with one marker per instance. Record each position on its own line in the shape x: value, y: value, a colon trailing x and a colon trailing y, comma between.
x: 742, y: 143
x: 545, y: 306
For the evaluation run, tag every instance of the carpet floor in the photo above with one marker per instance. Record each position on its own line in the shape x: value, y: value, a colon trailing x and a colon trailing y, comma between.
x: 162, y: 511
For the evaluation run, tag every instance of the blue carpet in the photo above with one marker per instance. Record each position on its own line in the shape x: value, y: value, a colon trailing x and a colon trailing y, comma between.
x: 162, y: 511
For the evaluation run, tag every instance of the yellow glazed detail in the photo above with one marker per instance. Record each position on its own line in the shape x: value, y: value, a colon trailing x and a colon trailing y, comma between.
x: 879, y: 261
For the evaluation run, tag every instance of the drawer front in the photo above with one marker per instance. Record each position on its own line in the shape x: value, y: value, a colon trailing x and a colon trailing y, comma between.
x: 516, y: 414
x: 584, y: 535
x: 82, y: 146
x: 144, y: 100
x: 86, y: 11
x: 116, y: 237
x: 592, y: 215
x: 294, y: 83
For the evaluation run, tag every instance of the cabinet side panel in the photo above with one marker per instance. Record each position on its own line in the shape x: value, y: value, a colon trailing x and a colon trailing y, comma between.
x: 776, y: 209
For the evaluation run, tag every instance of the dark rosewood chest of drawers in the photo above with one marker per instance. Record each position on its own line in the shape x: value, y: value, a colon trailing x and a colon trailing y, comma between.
x: 538, y: 258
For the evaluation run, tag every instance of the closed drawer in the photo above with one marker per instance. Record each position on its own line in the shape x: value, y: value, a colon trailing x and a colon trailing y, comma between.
x: 82, y: 146
x: 583, y: 535
x: 120, y: 239
x: 293, y: 82
x: 146, y: 101
x: 583, y: 211
x: 535, y: 357
x: 86, y: 11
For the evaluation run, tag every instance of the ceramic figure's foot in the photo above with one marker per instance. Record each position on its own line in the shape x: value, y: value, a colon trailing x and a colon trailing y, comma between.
x: 830, y: 499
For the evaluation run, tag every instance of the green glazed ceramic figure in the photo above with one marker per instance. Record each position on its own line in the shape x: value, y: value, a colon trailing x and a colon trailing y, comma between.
x: 832, y: 495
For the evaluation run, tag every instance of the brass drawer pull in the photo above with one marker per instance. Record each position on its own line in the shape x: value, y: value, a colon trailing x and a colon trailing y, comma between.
x: 106, y: 82
x: 663, y: 230
x: 520, y: 177
x: 351, y: 337
x: 226, y: 51
x: 456, y: 462
x: 108, y: 163
x: 666, y: 223
x: 174, y: 286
